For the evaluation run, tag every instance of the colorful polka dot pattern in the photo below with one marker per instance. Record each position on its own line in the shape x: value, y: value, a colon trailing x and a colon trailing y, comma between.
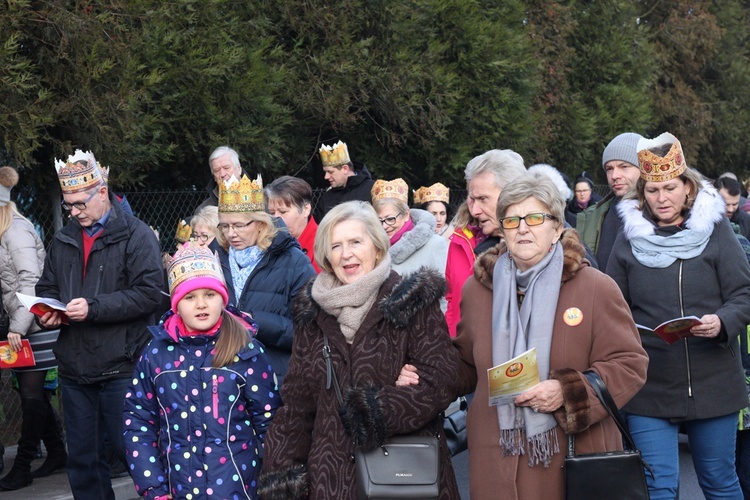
x: 194, y: 431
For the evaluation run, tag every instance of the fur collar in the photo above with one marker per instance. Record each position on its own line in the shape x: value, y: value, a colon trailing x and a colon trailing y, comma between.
x: 707, y: 211
x: 407, y: 296
x: 573, y: 252
x: 411, y: 241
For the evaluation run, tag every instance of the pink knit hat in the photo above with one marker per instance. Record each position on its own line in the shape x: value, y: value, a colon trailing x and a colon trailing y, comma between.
x: 194, y: 267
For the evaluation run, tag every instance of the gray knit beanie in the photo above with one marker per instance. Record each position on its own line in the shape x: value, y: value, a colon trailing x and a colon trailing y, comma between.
x: 624, y: 147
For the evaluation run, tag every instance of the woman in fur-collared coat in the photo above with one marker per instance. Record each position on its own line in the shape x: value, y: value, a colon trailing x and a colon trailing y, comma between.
x: 589, y: 328
x: 375, y: 322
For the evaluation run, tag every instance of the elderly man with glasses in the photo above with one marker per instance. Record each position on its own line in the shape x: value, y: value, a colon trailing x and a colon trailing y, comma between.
x: 105, y: 266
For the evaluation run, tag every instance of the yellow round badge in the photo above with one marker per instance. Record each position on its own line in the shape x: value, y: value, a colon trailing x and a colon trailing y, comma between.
x: 573, y: 316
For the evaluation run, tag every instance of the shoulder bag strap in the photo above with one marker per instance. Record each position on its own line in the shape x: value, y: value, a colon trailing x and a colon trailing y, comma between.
x: 330, y: 372
x: 609, y: 404
x: 600, y: 388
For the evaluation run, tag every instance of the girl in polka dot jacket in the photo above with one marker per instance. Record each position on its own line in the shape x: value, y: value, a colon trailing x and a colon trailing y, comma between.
x: 203, y: 392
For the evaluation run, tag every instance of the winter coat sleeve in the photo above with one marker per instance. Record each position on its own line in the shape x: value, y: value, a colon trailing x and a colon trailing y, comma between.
x: 145, y: 279
x: 615, y: 353
x: 407, y: 409
x: 288, y: 440
x: 141, y: 432
x: 24, y: 262
x: 733, y: 273
x: 261, y: 394
x: 467, y: 371
x: 47, y: 286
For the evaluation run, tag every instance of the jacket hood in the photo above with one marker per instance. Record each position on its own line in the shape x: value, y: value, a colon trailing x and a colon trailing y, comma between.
x: 706, y: 212
x: 408, y: 296
x: 573, y: 258
x: 411, y: 241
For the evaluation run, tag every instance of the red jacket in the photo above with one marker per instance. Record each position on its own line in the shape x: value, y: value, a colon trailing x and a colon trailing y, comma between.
x: 307, y: 242
x: 457, y: 269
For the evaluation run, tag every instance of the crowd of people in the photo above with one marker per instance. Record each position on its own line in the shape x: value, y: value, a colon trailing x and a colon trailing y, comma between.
x: 206, y: 372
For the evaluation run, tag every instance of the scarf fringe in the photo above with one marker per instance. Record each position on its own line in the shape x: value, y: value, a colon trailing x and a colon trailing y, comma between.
x: 539, y: 448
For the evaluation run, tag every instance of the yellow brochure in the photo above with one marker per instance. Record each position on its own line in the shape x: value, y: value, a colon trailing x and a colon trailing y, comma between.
x: 508, y: 380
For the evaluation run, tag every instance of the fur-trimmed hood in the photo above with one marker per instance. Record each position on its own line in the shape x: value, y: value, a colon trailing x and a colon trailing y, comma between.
x: 406, y: 297
x: 707, y: 211
x: 573, y: 251
x: 411, y: 241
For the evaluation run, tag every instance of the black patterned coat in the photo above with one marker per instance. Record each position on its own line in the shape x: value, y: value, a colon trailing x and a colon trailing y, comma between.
x: 308, y: 454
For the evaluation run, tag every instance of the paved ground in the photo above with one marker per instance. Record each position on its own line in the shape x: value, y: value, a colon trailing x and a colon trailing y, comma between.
x: 56, y: 487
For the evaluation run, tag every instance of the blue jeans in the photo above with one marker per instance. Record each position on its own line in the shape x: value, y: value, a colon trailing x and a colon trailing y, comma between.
x: 93, y: 411
x: 712, y: 446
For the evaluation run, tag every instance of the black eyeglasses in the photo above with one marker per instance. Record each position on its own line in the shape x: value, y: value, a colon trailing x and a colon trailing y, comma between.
x: 79, y: 205
x: 236, y: 226
x: 530, y: 219
x: 201, y: 237
x: 389, y: 221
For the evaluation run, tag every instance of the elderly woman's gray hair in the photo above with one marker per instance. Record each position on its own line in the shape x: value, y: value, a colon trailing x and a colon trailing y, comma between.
x: 532, y: 185
x: 351, y: 210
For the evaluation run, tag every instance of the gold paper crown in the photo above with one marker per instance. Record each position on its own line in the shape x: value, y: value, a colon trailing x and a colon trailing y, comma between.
x: 390, y: 189
x: 655, y: 168
x: 334, y: 156
x: 436, y: 192
x: 193, y: 261
x: 241, y: 196
x: 184, y: 231
x: 79, y: 173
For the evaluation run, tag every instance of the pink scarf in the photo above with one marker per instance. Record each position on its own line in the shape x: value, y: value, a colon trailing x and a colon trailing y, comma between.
x: 408, y: 226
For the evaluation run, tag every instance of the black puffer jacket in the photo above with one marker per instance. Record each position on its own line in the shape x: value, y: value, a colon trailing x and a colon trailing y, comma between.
x: 268, y: 294
x: 123, y: 284
x: 358, y: 187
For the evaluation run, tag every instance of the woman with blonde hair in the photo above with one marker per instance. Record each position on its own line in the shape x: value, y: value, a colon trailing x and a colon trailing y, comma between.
x: 204, y: 225
x: 372, y: 321
x: 263, y: 266
x: 21, y: 263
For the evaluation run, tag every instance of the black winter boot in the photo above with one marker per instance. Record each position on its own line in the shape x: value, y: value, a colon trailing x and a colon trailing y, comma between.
x: 52, y: 435
x: 34, y: 416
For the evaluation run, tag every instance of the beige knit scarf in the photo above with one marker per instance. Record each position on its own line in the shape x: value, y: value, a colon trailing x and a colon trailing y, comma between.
x: 349, y: 304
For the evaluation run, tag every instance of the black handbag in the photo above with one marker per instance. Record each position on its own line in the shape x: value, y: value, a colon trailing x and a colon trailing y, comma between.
x: 617, y: 475
x: 454, y: 426
x: 403, y: 467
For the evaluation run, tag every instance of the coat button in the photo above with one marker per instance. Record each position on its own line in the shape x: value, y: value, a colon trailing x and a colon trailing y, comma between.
x: 351, y: 458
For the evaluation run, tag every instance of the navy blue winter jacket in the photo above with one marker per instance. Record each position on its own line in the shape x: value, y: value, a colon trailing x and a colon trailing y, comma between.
x: 269, y: 292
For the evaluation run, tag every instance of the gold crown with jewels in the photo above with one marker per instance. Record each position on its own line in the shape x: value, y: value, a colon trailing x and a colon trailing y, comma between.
x: 655, y: 168
x: 396, y: 188
x: 238, y: 196
x: 436, y: 192
x: 334, y: 156
x: 193, y: 261
x: 79, y: 173
x: 184, y: 231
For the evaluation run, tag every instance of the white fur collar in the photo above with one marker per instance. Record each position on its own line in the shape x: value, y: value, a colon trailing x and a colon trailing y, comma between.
x: 707, y: 210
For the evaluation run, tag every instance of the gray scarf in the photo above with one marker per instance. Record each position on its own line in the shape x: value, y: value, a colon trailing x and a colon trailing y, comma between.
x: 349, y: 304
x: 515, y: 331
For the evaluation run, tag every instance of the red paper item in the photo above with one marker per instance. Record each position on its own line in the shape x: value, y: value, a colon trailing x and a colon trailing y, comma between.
x: 16, y: 359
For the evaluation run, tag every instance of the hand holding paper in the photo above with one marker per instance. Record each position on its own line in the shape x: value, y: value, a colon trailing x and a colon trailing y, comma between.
x: 41, y: 306
x: 510, y: 379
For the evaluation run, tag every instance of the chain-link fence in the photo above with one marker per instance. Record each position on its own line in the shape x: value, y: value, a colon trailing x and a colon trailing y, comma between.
x: 162, y: 210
